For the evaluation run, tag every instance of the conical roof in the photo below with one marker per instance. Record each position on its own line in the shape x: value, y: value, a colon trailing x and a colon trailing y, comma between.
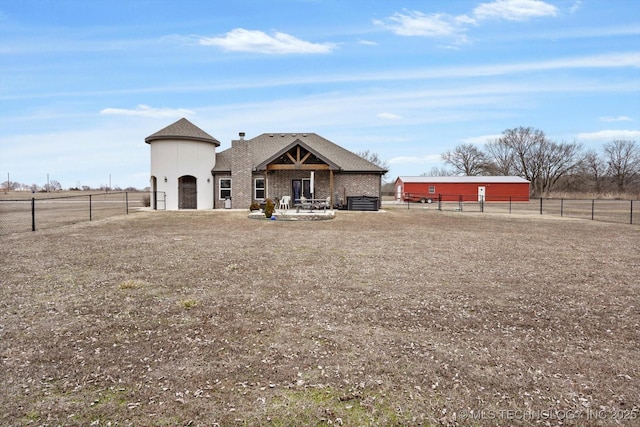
x: 182, y: 129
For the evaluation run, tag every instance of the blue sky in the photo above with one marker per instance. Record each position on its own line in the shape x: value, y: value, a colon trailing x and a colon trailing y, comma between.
x: 82, y: 83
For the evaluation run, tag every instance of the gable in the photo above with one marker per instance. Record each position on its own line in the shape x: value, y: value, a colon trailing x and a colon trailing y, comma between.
x: 268, y: 146
x: 298, y: 156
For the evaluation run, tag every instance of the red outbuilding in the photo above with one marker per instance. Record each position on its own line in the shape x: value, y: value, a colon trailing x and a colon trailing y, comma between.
x: 427, y: 189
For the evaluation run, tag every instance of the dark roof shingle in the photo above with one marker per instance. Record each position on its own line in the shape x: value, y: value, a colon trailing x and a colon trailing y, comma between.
x: 263, y: 147
x: 182, y: 129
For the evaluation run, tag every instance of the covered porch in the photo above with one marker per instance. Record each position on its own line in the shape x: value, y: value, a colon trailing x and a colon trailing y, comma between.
x: 299, y: 175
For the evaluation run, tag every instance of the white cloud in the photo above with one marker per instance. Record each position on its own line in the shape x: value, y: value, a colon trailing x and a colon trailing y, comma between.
x: 389, y: 116
x: 147, y: 111
x: 609, y: 119
x: 367, y: 42
x: 514, y: 10
x: 442, y: 25
x: 414, y: 23
x: 609, y: 135
x: 241, y: 40
x: 576, y: 6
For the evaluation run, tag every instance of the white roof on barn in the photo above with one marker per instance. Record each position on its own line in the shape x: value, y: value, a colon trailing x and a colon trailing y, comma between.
x: 464, y: 179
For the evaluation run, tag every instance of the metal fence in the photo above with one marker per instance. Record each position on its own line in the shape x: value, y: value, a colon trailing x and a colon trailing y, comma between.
x: 19, y: 213
x: 609, y: 210
x: 159, y: 200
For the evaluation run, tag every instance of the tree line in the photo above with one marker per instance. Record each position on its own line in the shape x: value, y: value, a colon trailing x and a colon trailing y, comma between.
x: 549, y: 165
x: 54, y: 185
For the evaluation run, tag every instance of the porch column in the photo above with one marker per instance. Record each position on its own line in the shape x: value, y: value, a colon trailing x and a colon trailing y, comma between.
x: 331, y: 186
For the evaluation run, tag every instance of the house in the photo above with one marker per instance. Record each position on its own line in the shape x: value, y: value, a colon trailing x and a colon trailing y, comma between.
x: 187, y: 169
x: 426, y: 189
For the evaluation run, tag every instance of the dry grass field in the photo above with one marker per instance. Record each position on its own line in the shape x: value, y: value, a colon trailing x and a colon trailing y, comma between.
x: 390, y: 318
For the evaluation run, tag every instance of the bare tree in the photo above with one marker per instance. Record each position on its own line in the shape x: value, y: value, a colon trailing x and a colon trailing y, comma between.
x: 538, y: 159
x: 524, y: 144
x: 623, y: 162
x: 501, y: 158
x: 375, y: 159
x: 558, y: 160
x: 466, y: 159
x: 595, y: 169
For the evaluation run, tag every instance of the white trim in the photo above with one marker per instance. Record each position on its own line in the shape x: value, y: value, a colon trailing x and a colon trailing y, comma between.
x: 463, y: 179
x: 226, y: 189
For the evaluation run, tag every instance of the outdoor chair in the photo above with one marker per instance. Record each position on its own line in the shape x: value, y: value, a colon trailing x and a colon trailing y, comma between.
x: 284, y: 202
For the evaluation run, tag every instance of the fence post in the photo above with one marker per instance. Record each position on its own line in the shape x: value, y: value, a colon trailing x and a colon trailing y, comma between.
x: 593, y: 207
x: 509, y: 204
x: 482, y: 204
x: 460, y: 202
x: 90, y: 216
x: 33, y: 214
x: 440, y: 202
x: 631, y: 213
x: 126, y: 201
x: 541, y: 205
x: 561, y: 207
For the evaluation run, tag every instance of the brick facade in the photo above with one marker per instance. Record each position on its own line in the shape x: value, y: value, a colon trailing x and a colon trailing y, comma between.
x: 241, y: 175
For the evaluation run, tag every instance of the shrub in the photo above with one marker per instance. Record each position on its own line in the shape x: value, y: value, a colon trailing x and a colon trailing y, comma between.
x: 255, y: 206
x: 146, y: 200
x: 188, y: 303
x: 269, y: 208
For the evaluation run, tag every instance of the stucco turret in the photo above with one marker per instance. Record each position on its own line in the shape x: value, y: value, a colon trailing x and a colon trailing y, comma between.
x: 182, y: 155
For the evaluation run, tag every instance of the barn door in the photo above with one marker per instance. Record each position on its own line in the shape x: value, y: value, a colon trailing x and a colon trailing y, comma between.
x: 481, y: 194
x: 187, y: 192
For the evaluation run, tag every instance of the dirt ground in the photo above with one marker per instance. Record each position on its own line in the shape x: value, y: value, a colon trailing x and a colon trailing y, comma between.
x: 399, y: 317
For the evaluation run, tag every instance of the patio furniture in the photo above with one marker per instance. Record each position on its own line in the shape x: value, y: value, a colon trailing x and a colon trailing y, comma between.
x: 312, y: 204
x: 284, y: 202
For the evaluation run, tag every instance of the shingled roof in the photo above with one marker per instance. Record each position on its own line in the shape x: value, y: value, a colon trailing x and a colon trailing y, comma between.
x: 265, y: 147
x: 183, y: 129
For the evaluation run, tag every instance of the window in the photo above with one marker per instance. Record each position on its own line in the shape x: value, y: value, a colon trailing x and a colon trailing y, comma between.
x: 432, y: 189
x: 259, y: 189
x: 225, y: 188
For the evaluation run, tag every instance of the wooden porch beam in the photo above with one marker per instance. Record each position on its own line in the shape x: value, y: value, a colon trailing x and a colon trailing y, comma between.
x: 306, y: 156
x: 304, y: 166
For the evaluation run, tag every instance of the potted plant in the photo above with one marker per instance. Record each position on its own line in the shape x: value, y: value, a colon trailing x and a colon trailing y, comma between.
x: 269, y: 208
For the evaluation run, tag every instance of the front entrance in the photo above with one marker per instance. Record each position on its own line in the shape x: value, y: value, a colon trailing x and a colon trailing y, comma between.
x: 187, y: 192
x: 481, y: 194
x: 299, y: 188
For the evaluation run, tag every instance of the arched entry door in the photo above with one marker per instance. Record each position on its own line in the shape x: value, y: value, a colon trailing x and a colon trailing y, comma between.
x: 187, y: 192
